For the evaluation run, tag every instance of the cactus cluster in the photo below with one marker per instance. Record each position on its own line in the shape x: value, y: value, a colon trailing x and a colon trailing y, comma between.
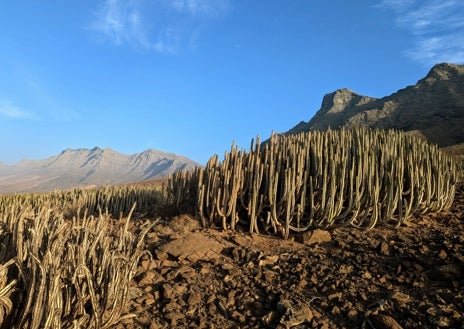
x: 114, y: 199
x: 65, y: 263
x: 360, y: 177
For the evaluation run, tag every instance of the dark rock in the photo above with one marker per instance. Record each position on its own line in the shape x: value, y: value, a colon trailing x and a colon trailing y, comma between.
x: 316, y: 236
x: 194, y: 299
x: 381, y: 321
x: 384, y: 248
x: 442, y: 254
x: 194, y: 246
x: 338, y: 296
x: 269, y: 260
x: 167, y: 291
x: 150, y: 277
x: 447, y: 272
x: 432, y: 109
x: 174, y: 317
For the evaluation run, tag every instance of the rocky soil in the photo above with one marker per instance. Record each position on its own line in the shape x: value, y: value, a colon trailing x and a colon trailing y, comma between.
x: 412, y: 277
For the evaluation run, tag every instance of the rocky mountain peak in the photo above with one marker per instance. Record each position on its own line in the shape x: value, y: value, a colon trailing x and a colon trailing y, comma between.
x: 336, y: 101
x: 433, y: 108
x: 445, y: 71
x: 335, y: 109
x: 341, y: 99
x: 89, y: 167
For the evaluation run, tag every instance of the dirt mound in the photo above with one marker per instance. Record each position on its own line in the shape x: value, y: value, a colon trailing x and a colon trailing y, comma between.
x: 412, y: 277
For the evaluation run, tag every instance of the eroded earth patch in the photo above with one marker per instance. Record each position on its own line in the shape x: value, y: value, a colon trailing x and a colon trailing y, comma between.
x: 412, y: 277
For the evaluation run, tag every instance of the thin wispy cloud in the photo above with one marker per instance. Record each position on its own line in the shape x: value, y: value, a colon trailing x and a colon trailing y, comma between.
x: 164, y: 26
x: 10, y: 110
x: 436, y: 28
x: 119, y: 22
x: 40, y: 96
x: 45, y: 112
x: 208, y: 8
x: 167, y: 42
x: 49, y: 106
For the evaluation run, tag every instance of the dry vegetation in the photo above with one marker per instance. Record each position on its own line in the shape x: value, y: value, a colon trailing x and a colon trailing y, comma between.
x: 67, y: 263
x: 318, y: 179
x: 457, y: 151
x: 68, y: 259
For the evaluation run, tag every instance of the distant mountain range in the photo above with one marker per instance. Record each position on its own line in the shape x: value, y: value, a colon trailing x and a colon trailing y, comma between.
x: 89, y: 167
x: 432, y: 109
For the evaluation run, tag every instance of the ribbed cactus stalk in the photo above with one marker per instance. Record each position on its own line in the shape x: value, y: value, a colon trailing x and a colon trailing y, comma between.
x: 360, y: 177
x: 61, y: 266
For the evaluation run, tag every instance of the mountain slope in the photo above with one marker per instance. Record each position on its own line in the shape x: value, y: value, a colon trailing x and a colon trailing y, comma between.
x: 84, y: 167
x: 433, y: 108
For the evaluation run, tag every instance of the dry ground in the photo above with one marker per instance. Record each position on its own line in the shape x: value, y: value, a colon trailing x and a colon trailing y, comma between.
x: 412, y: 277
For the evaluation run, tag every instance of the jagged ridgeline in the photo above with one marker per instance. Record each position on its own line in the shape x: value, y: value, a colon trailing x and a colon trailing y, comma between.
x: 313, y: 179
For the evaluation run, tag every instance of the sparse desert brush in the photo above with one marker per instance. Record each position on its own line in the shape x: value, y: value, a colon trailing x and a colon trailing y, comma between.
x: 116, y: 199
x: 457, y: 152
x: 460, y: 168
x: 359, y: 177
x: 63, y: 266
x: 7, y: 286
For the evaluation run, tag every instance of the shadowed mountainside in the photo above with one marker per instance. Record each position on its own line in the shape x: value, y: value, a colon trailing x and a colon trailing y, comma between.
x: 432, y: 109
x: 84, y: 167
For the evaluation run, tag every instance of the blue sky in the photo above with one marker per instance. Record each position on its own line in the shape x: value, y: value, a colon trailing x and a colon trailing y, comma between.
x: 192, y: 76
